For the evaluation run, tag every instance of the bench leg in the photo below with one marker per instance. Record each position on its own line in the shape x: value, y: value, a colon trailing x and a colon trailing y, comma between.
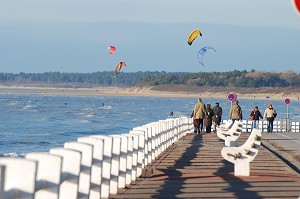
x: 230, y: 143
x: 242, y: 168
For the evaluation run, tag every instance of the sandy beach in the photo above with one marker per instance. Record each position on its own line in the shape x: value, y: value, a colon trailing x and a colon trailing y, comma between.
x: 179, y: 91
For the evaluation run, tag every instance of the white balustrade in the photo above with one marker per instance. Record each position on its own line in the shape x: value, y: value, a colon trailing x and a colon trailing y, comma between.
x: 48, y: 175
x: 86, y: 151
x: 139, y: 152
x: 96, y: 169
x: 106, y: 164
x: 19, y: 178
x: 71, y: 162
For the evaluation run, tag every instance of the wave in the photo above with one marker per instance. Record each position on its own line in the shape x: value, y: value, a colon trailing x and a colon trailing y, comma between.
x: 128, y: 113
x: 90, y: 115
x: 105, y: 107
x: 84, y: 121
x: 12, y: 155
x: 13, y: 103
x: 30, y: 107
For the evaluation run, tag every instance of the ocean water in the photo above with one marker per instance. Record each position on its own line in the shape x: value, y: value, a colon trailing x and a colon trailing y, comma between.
x: 36, y: 123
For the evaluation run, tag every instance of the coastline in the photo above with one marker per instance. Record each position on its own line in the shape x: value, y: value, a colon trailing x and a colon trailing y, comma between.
x: 177, y: 91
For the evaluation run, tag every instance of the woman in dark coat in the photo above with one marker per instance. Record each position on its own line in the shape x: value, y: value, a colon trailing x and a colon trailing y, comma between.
x: 208, y: 118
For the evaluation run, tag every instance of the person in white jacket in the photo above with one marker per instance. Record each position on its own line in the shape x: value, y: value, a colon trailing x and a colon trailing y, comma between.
x: 270, y: 115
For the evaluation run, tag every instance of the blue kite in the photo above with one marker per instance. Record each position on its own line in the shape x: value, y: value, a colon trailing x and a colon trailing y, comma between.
x: 202, y: 51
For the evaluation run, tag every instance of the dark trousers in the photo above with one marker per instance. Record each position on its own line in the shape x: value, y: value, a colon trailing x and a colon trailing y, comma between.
x: 198, y: 125
x: 269, y: 126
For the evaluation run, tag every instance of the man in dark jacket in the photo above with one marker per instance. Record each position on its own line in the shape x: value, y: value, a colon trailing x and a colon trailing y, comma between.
x: 254, y: 116
x: 217, y: 114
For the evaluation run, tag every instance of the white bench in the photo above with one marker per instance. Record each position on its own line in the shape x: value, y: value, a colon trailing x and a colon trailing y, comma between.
x: 226, y: 126
x: 230, y: 135
x: 243, y: 155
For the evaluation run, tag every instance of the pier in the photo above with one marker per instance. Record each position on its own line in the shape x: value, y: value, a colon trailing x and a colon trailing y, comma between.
x: 194, y: 168
x: 163, y: 159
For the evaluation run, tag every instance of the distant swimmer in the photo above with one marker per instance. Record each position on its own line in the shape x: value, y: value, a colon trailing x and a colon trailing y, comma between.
x: 171, y: 114
x: 102, y: 104
x: 65, y: 103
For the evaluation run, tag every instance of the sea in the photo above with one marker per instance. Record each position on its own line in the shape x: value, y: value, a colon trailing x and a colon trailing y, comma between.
x: 36, y: 123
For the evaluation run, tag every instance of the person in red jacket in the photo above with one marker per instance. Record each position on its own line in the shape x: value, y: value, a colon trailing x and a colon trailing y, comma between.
x: 254, y: 116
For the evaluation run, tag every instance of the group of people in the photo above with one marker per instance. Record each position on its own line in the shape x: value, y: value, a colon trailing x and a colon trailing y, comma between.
x: 269, y: 115
x: 207, y: 116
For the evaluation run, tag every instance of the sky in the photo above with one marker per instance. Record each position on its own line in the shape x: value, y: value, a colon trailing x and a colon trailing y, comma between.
x: 73, y: 35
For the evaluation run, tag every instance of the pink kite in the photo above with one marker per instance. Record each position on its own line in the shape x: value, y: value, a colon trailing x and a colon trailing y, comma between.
x: 112, y: 49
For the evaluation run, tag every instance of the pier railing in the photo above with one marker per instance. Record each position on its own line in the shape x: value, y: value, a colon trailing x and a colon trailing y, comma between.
x: 98, y: 165
x: 90, y: 167
x: 279, y: 125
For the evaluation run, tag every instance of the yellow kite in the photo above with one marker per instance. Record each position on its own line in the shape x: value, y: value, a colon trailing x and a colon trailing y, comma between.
x: 194, y: 34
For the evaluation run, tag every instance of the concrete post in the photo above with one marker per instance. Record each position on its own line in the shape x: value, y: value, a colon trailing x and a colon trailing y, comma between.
x: 122, y: 160
x: 96, y: 169
x: 106, y: 165
x: 71, y: 161
x: 141, y: 151
x: 86, y: 151
x: 19, y: 178
x: 48, y: 175
x: 129, y: 158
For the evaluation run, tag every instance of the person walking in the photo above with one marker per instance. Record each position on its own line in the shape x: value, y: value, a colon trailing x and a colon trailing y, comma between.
x: 208, y: 118
x: 198, y: 115
x: 217, y: 116
x: 254, y: 116
x: 270, y: 115
x: 236, y: 112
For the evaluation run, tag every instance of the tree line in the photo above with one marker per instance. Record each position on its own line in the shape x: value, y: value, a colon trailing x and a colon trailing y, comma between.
x: 234, y: 78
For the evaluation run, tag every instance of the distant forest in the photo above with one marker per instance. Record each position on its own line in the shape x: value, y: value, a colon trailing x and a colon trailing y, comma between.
x: 234, y: 78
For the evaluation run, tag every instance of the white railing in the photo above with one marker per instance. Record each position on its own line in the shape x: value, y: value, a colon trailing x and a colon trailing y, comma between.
x: 280, y: 125
x: 91, y: 167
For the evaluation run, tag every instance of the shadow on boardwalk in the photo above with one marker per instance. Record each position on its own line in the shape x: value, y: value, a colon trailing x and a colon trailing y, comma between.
x: 236, y: 185
x: 175, y: 181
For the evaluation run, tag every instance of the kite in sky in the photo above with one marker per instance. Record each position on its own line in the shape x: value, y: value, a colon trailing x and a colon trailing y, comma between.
x: 112, y: 49
x: 193, y: 35
x: 119, y: 66
x: 202, y: 52
x: 296, y: 5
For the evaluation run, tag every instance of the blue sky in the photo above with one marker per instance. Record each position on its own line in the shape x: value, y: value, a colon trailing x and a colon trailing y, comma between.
x: 73, y: 35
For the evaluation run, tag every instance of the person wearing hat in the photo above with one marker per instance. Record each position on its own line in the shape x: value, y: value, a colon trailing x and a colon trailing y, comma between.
x: 236, y: 112
x: 198, y: 115
x: 270, y: 115
x: 208, y: 118
x: 217, y: 114
x: 254, y: 116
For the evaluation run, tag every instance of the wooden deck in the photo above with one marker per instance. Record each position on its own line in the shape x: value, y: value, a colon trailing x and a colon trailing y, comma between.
x: 194, y: 168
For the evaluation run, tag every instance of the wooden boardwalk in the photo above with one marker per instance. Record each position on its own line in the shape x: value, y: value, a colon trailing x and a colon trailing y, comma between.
x: 194, y: 168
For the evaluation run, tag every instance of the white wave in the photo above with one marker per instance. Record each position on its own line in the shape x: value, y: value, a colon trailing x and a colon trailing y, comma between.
x: 13, y: 103
x: 12, y: 155
x: 90, y: 115
x: 86, y: 109
x: 84, y: 121
x: 127, y: 113
x: 105, y: 107
x: 29, y: 107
